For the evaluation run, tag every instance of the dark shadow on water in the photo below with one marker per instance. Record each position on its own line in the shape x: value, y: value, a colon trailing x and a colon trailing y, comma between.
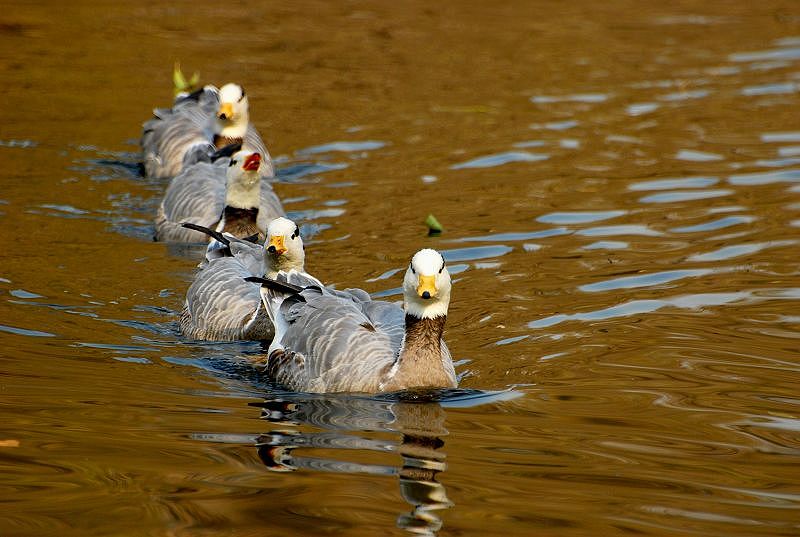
x: 417, y: 419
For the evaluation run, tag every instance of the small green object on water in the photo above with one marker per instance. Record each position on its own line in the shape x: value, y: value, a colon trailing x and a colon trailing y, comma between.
x: 434, y: 227
x: 180, y: 83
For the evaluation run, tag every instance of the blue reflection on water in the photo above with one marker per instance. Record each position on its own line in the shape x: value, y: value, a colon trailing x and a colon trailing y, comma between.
x: 500, y: 159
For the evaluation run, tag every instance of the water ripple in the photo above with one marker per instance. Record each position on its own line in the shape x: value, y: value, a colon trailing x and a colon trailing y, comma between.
x: 638, y: 307
x: 738, y: 250
x: 500, y: 159
x: 576, y: 98
x: 765, y: 178
x: 766, y: 55
x: 517, y: 236
x: 771, y: 137
x: 295, y: 172
x: 475, y: 252
x: 645, y: 280
x: 684, y: 95
x: 697, y: 156
x: 24, y: 331
x: 607, y: 245
x: 640, y: 109
x: 775, y: 88
x: 716, y: 224
x: 578, y: 217
x: 345, y: 147
x: 555, y: 125
x: 685, y: 195
x: 673, y: 183
x: 624, y: 229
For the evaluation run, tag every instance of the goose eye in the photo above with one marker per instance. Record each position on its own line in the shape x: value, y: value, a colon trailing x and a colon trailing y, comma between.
x: 232, y: 163
x: 296, y: 232
x: 242, y: 97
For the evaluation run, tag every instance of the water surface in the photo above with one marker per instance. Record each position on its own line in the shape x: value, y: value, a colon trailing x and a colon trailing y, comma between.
x: 619, y: 190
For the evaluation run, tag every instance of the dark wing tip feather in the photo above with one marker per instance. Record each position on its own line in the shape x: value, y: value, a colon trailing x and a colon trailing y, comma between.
x: 276, y: 285
x: 226, y: 151
x: 193, y: 96
x: 210, y: 232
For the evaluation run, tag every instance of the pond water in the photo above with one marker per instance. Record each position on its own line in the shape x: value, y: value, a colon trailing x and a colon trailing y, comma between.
x: 620, y: 190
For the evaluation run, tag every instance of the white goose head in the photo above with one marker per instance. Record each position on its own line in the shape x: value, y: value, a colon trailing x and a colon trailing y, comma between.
x: 284, y: 247
x: 426, y: 286
x: 232, y: 115
x: 243, y: 189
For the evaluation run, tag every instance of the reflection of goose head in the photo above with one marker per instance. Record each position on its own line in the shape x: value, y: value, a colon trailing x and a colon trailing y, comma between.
x: 344, y: 420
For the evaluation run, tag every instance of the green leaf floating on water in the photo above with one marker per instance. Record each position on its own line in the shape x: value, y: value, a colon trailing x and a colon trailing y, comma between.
x: 434, y: 227
x: 179, y: 80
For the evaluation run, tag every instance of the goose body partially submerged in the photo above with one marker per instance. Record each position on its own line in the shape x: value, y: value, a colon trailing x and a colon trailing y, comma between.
x: 343, y: 341
x: 228, y: 195
x: 220, y: 305
x: 198, y: 124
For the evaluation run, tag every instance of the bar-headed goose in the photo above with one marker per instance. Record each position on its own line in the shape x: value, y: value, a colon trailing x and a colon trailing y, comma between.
x: 228, y: 195
x: 342, y: 341
x: 198, y: 123
x: 220, y: 305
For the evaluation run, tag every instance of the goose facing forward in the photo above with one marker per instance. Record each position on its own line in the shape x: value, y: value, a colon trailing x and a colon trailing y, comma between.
x: 235, y: 199
x: 196, y: 125
x: 342, y: 341
x: 220, y: 305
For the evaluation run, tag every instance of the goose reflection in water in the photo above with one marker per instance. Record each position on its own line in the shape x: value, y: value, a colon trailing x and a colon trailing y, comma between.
x: 418, y: 417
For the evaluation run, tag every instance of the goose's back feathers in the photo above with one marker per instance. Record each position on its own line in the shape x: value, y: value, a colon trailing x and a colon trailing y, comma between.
x: 196, y: 195
x: 173, y: 131
x: 220, y: 305
x: 336, y: 342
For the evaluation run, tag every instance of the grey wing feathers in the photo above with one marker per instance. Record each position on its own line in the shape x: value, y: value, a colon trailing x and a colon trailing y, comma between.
x: 249, y: 255
x: 340, y: 346
x: 221, y: 306
x: 300, y: 279
x: 172, y: 132
x: 196, y: 195
x: 387, y: 318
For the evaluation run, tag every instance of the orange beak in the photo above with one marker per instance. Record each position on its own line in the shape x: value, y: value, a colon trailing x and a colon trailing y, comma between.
x: 427, y: 286
x: 252, y: 162
x: 275, y: 245
x: 225, y: 111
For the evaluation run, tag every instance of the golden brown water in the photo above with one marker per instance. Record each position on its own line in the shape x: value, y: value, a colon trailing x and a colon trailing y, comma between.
x: 620, y: 188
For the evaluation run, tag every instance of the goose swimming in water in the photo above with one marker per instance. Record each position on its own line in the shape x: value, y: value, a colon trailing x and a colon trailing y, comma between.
x: 220, y: 305
x: 197, y: 124
x: 228, y: 195
x: 342, y: 341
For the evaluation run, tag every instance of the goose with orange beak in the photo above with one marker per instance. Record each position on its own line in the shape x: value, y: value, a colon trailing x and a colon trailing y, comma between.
x: 197, y: 125
x: 229, y: 195
x: 220, y: 305
x: 343, y: 341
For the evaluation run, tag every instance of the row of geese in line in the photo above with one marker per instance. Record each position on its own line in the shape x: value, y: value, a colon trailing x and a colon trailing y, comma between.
x: 252, y: 283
